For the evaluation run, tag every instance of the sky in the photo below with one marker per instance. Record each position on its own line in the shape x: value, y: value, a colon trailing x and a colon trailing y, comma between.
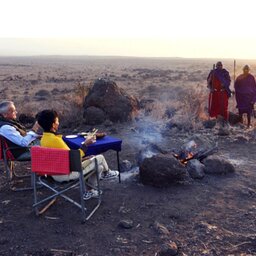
x: 144, y: 28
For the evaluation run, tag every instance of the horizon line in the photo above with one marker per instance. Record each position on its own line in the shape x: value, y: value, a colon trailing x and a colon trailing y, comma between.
x: 118, y: 56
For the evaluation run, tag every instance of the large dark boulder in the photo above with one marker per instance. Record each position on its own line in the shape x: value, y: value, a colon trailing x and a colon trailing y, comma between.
x: 93, y: 115
x: 117, y: 105
x: 42, y: 95
x: 162, y: 170
x: 27, y: 120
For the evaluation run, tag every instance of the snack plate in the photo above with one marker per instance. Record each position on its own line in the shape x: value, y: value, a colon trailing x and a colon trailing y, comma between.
x: 100, y: 135
x: 83, y: 134
x: 71, y: 136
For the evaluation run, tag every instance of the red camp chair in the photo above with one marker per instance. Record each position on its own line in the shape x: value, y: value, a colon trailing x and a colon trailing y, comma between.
x: 9, y: 154
x: 50, y: 161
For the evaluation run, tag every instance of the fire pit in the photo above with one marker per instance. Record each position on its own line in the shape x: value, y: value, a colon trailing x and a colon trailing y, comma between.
x: 162, y: 169
x: 195, y: 148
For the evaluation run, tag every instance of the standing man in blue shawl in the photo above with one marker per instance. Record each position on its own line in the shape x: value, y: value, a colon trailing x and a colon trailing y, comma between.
x: 245, y: 90
x: 218, y: 81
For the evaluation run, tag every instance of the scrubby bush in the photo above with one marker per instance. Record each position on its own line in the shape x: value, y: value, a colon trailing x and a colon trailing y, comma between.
x: 193, y: 104
x: 185, y: 106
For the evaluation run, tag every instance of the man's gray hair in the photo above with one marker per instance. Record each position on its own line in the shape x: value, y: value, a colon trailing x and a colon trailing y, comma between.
x: 4, y: 106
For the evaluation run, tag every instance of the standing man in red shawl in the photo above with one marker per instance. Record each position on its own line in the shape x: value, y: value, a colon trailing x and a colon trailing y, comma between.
x: 245, y: 90
x: 218, y: 82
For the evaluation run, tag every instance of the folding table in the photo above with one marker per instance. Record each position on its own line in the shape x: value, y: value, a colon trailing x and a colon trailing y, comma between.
x: 100, y: 146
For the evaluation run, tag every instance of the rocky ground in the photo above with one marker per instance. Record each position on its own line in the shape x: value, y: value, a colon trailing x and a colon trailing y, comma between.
x: 211, y: 216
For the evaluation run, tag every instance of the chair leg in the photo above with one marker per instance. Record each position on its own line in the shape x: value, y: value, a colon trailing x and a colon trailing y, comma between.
x: 9, y: 169
x: 82, y: 191
x: 60, y: 193
x: 8, y: 166
x: 98, y: 177
x: 19, y: 176
x: 118, y: 166
x: 34, y: 181
x: 15, y: 189
x: 98, y: 188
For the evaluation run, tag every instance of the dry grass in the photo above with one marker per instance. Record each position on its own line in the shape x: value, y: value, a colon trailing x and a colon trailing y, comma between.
x: 188, y: 107
x: 192, y: 107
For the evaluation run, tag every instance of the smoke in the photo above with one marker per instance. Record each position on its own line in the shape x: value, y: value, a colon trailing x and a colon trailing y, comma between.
x: 146, y: 131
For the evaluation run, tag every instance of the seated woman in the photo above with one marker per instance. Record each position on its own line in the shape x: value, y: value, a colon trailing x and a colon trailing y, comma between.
x: 49, y: 121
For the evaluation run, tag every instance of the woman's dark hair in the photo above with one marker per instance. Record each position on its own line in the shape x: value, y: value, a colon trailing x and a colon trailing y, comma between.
x: 46, y: 118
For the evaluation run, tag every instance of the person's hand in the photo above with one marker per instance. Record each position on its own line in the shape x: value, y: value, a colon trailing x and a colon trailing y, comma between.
x: 36, y: 127
x: 89, y: 140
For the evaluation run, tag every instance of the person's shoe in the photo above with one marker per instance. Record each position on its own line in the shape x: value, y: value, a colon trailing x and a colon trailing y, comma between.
x: 109, y: 175
x: 87, y: 195
x: 95, y: 193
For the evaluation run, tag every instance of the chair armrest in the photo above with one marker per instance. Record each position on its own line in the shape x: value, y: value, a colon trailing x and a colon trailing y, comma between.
x: 23, y: 153
x: 75, y: 161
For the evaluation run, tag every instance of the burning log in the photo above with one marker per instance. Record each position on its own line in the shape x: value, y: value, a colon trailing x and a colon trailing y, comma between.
x: 192, y: 150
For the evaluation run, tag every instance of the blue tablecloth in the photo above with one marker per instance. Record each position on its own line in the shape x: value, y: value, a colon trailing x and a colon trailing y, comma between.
x: 100, y: 146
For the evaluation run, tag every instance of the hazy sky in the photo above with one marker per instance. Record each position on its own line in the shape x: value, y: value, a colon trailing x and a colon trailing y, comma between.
x: 165, y: 28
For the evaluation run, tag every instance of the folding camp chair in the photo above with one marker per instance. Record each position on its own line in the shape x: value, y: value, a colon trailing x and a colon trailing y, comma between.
x: 10, y: 153
x: 52, y: 161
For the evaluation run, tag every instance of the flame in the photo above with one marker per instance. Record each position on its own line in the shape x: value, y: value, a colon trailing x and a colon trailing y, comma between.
x: 190, y: 155
x: 184, y: 161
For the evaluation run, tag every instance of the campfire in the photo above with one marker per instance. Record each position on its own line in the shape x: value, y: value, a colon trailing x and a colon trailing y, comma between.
x: 193, y: 150
x: 190, y: 160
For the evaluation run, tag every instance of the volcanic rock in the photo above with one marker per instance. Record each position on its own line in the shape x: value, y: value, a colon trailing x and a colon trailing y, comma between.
x: 162, y: 170
x: 209, y: 124
x: 117, y: 105
x: 168, y: 249
x: 195, y: 169
x: 125, y: 166
x: 26, y: 120
x: 217, y: 165
x: 42, y: 95
x: 234, y: 118
x: 94, y: 115
x: 127, y: 224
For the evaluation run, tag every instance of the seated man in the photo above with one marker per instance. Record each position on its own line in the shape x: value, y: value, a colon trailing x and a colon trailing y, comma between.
x: 14, y: 132
x: 49, y: 121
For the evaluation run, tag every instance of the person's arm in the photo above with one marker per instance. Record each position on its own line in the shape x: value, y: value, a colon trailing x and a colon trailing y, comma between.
x: 88, y: 141
x: 14, y: 136
x: 209, y: 80
x: 254, y: 89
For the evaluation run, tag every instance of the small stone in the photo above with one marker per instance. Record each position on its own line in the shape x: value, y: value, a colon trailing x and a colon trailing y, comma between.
x: 209, y: 124
x: 126, y: 224
x: 125, y: 166
x: 223, y: 131
x: 195, y: 169
x: 161, y: 229
x: 168, y: 249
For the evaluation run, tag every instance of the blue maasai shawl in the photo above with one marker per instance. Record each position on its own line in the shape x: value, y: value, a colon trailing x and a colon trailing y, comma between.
x: 223, y: 76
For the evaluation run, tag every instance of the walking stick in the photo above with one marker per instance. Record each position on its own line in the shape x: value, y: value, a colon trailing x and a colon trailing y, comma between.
x: 233, y: 92
x: 234, y: 72
x: 210, y: 86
